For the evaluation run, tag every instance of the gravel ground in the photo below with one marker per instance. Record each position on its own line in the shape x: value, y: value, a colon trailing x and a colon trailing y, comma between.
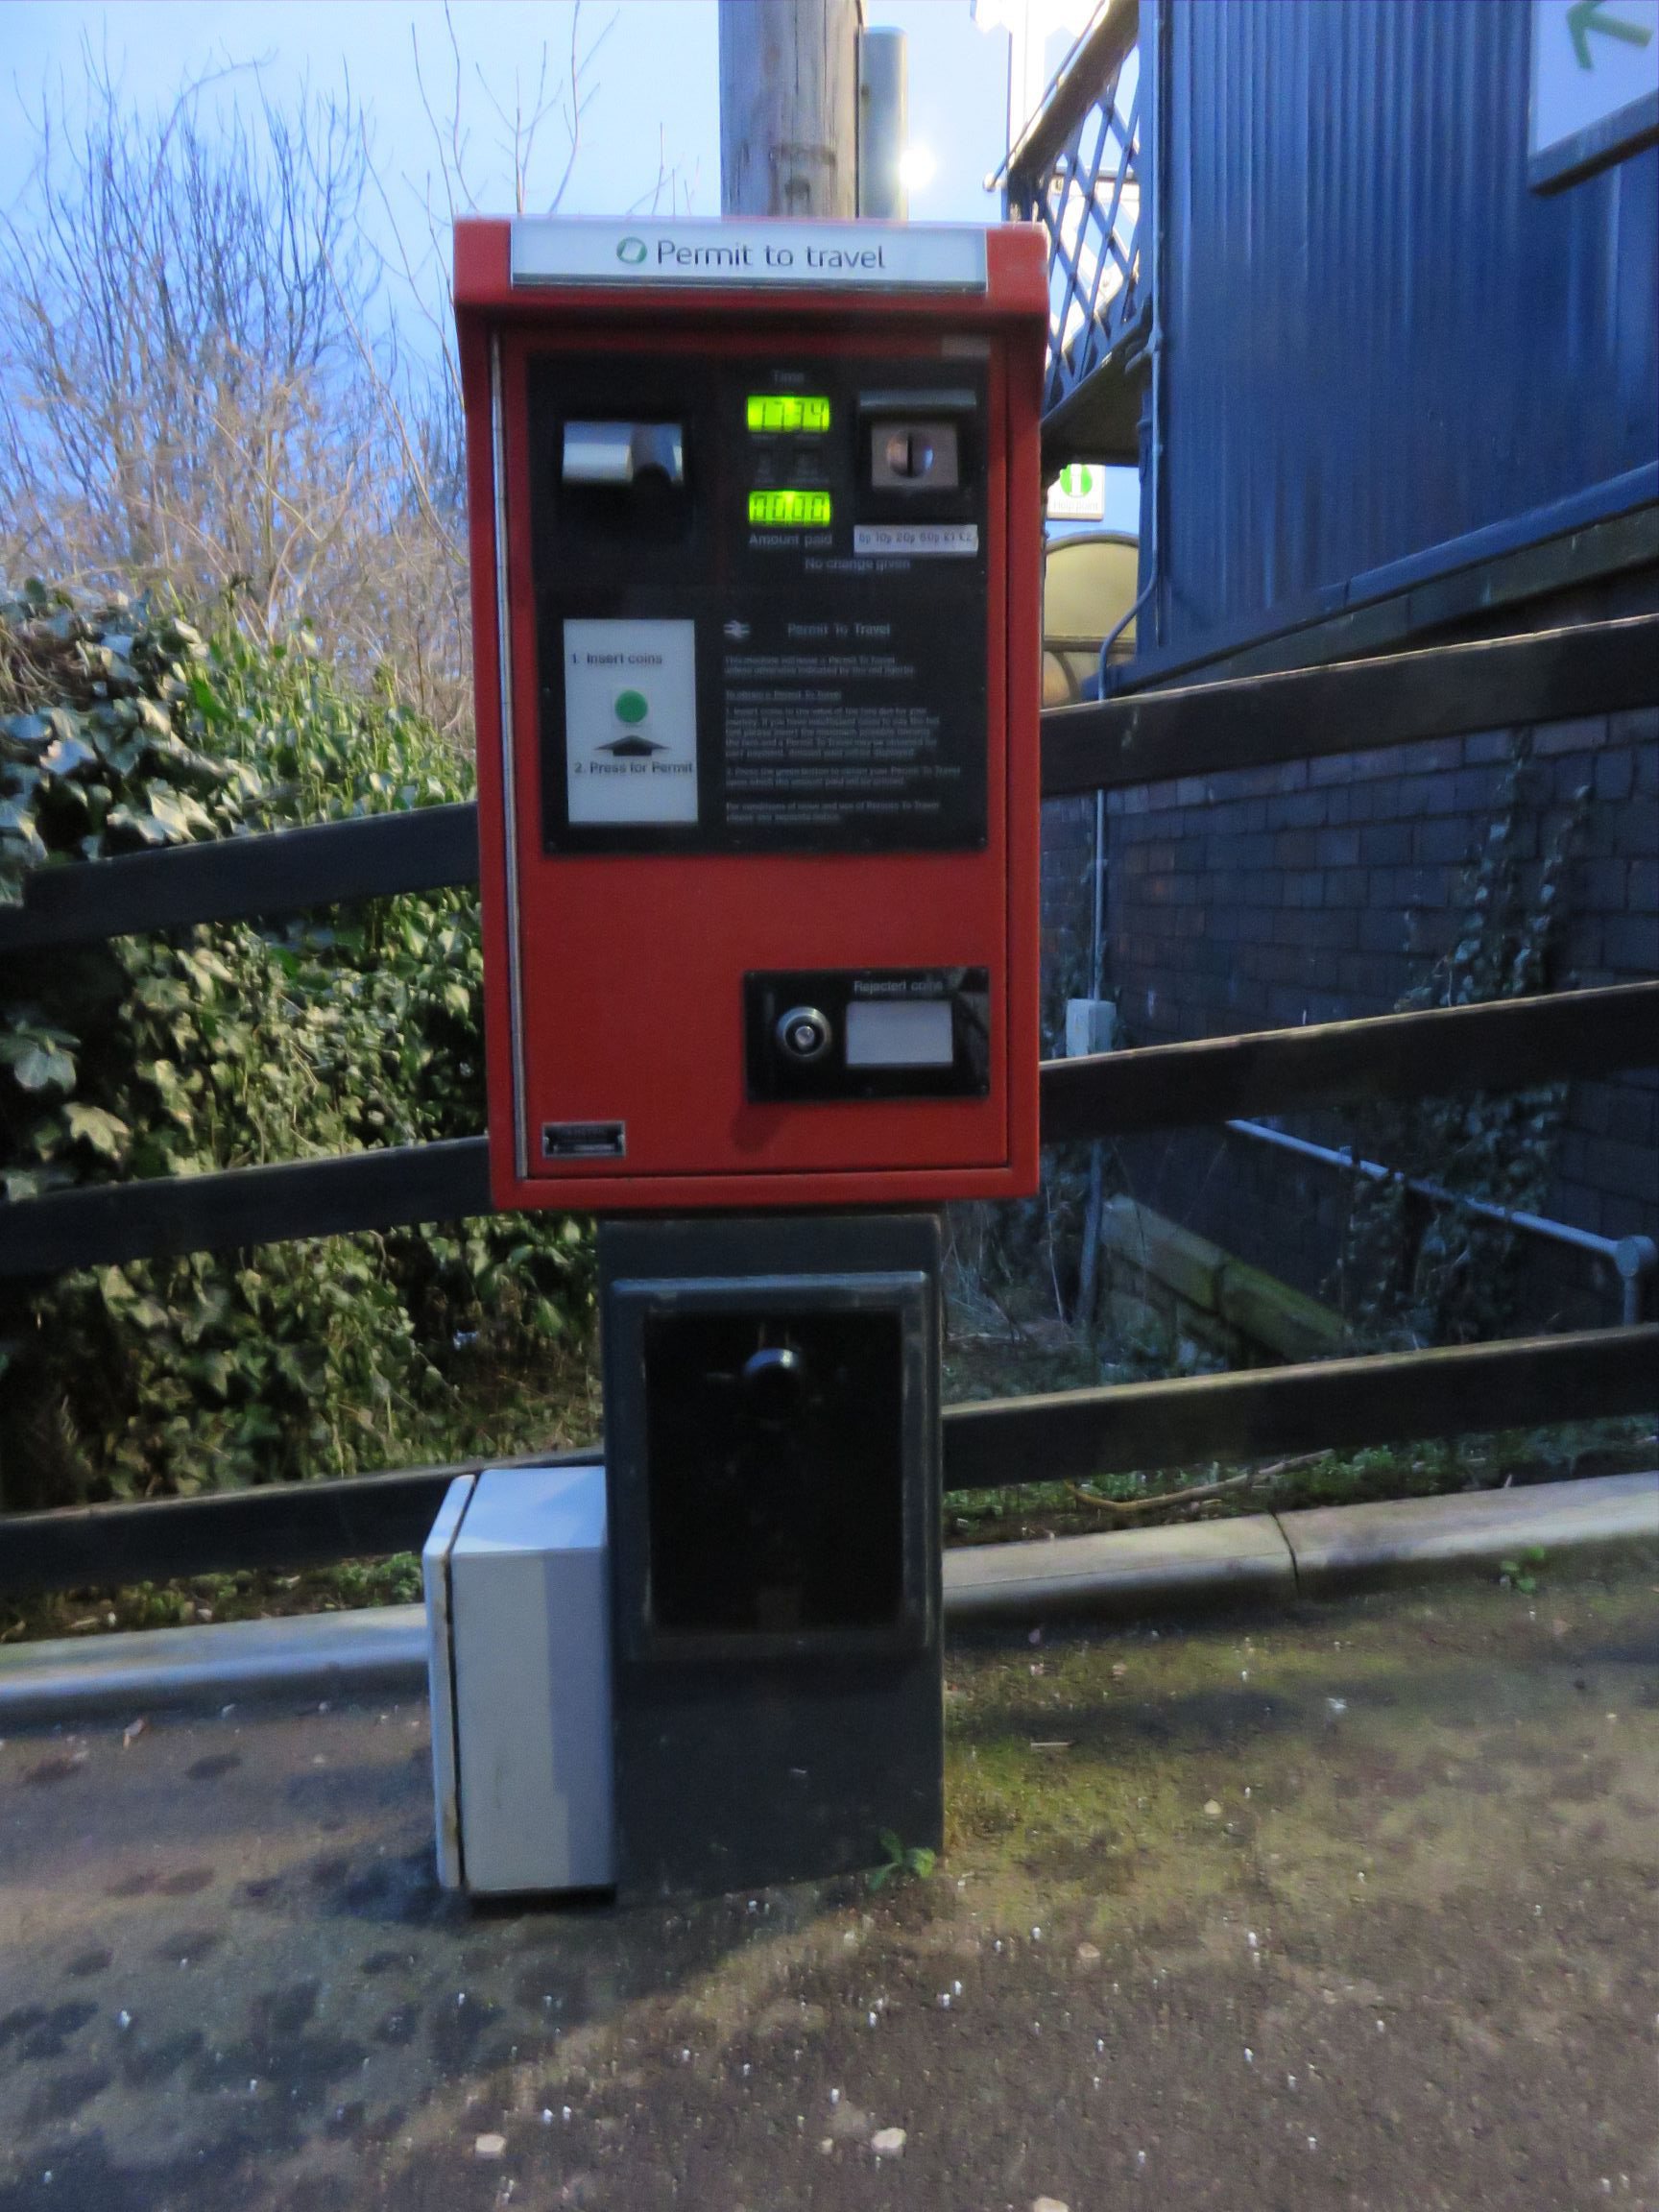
x: 1351, y: 1907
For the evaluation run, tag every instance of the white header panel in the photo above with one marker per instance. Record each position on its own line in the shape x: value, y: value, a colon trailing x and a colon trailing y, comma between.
x: 857, y: 257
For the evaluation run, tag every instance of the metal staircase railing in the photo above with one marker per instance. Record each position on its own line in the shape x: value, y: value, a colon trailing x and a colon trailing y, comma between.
x: 1079, y: 171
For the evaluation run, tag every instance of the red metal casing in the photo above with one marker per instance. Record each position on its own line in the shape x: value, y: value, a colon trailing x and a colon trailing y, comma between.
x: 613, y: 980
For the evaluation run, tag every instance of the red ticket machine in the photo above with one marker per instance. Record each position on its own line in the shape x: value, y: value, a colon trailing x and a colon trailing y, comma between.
x: 756, y: 520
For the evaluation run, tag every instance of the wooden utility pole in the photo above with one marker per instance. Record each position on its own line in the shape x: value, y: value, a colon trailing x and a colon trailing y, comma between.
x: 789, y: 108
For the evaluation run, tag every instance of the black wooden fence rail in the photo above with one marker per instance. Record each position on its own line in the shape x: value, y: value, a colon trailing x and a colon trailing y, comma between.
x: 1261, y: 1414
x: 1507, y: 1043
x: 1352, y: 705
x: 274, y: 872
x: 1201, y: 730
x: 1194, y: 732
x: 1503, y: 1045
x: 112, y: 1222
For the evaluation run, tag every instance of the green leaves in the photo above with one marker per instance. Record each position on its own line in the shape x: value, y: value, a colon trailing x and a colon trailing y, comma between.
x: 100, y: 696
x: 1513, y: 1574
x: 219, y: 1047
x: 37, y: 1058
x: 1457, y: 1279
x: 167, y: 817
x: 92, y: 1125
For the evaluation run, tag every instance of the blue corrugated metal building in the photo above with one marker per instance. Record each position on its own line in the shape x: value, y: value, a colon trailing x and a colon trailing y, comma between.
x: 1370, y: 362
x: 1386, y: 380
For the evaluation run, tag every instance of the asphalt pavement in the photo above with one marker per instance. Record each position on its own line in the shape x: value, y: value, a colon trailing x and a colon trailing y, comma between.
x: 1349, y: 1904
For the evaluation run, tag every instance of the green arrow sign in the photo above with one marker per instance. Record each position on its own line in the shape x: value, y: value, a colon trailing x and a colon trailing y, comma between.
x: 1587, y: 15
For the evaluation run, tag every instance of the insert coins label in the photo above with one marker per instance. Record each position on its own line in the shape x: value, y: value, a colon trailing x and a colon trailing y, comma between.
x: 630, y: 721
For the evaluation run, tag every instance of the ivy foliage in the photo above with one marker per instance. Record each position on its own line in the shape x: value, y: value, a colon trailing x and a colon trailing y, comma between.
x: 123, y: 727
x: 1409, y: 1275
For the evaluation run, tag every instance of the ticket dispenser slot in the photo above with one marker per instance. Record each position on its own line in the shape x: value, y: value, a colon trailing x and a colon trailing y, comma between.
x: 624, y: 454
x: 612, y: 485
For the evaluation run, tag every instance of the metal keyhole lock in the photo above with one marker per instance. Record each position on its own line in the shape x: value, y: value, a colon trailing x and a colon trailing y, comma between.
x: 805, y: 1033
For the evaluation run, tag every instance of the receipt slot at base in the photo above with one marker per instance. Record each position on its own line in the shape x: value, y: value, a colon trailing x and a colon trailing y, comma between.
x: 517, y: 1574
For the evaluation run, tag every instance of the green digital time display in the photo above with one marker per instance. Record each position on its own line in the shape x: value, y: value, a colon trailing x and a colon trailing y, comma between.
x: 790, y: 510
x: 770, y: 412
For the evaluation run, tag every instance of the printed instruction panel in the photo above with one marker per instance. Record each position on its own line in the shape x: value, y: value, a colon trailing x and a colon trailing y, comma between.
x: 840, y: 731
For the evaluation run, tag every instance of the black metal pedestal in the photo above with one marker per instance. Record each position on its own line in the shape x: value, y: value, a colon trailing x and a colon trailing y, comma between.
x: 772, y: 1451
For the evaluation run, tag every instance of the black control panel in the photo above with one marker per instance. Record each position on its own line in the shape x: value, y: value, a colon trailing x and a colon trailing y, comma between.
x: 867, y: 1033
x: 760, y: 589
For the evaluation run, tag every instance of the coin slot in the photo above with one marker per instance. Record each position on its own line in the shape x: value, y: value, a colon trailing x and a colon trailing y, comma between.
x: 915, y: 455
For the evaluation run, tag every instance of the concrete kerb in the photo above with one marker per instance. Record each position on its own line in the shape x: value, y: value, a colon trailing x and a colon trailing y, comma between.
x: 1121, y: 1574
x: 319, y: 1655
x: 1346, y: 1548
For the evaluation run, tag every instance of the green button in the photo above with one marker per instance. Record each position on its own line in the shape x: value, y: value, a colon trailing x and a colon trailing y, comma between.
x: 632, y: 705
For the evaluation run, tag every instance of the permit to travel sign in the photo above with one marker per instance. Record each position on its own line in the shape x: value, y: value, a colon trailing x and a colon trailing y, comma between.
x: 904, y: 256
x: 1078, y: 494
x: 1595, y: 90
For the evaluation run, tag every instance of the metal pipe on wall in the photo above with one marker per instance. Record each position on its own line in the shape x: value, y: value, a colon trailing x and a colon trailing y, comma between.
x: 1634, y: 1259
x: 1088, y: 1266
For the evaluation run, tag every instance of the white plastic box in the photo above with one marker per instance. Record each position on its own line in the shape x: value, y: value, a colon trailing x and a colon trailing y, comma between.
x: 518, y: 1614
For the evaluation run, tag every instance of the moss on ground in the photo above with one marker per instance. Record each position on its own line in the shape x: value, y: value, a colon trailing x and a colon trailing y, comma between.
x: 1335, y: 1757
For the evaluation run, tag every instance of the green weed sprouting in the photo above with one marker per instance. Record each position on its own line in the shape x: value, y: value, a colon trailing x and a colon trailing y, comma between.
x: 914, y: 1861
x: 1515, y: 1575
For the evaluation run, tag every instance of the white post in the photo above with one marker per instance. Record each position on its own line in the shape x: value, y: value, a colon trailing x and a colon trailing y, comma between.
x: 883, y: 125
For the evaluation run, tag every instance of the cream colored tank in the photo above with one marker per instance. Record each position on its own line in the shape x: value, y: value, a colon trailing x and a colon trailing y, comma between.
x: 1089, y: 582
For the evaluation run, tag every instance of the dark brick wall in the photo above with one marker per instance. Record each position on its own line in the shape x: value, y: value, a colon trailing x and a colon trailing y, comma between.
x: 1068, y: 910
x: 1321, y: 890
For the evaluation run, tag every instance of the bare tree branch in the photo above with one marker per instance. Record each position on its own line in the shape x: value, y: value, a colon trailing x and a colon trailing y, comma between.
x: 1132, y: 1509
x: 200, y: 383
x: 216, y: 374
